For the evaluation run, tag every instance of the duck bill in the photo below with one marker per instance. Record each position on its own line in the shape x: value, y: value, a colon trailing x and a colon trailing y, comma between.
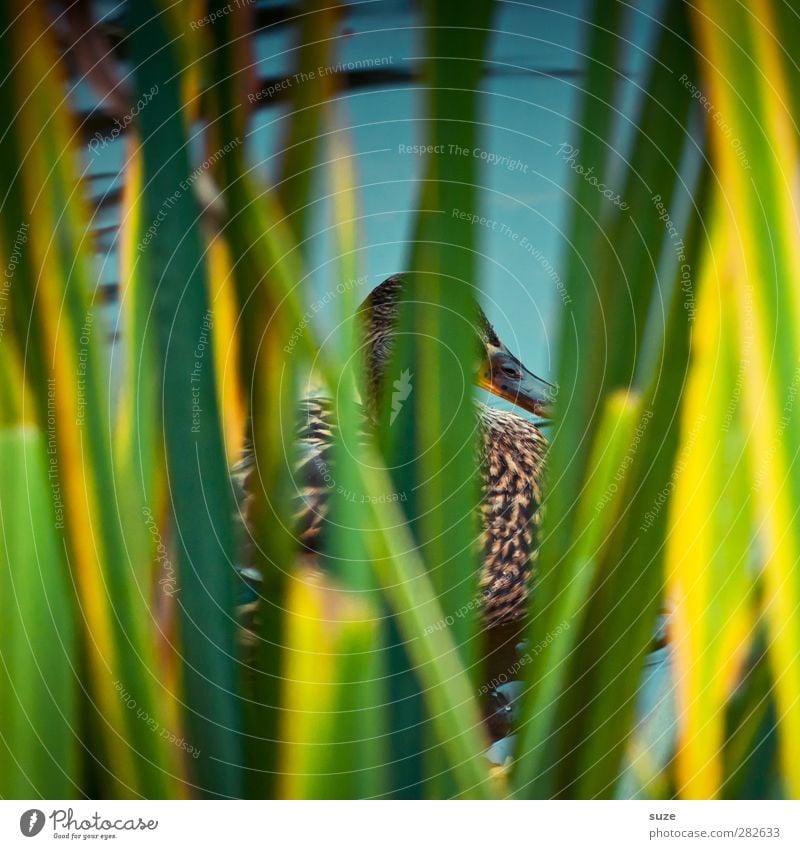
x: 508, y: 378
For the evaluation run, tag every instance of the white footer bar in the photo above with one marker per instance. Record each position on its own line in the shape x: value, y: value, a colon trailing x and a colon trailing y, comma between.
x: 402, y: 824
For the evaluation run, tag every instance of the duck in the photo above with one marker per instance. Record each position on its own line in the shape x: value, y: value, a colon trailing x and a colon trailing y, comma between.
x: 510, y: 456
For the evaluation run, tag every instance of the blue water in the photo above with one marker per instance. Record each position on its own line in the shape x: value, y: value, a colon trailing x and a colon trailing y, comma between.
x: 530, y: 99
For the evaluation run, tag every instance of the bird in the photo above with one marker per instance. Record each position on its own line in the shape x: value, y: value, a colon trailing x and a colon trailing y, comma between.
x: 510, y: 457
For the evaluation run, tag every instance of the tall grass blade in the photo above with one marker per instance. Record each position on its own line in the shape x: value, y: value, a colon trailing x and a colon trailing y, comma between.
x: 39, y: 650
x: 330, y: 733
x: 53, y: 314
x: 583, y: 722
x: 744, y: 73
x: 550, y: 656
x: 428, y: 421
x: 709, y: 540
x: 620, y: 622
x: 347, y: 552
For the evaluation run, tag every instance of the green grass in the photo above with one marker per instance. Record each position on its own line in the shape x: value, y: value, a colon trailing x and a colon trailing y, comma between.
x: 349, y: 692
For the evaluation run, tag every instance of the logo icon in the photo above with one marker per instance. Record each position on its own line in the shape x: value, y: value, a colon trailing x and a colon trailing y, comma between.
x: 31, y: 822
x: 402, y: 391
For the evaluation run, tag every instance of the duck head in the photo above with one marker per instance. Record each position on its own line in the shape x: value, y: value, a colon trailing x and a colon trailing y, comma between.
x: 497, y: 370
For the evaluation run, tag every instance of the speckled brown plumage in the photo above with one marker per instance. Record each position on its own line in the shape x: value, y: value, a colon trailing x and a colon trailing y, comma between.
x: 512, y: 463
x: 511, y: 451
x: 511, y: 455
x: 315, y: 428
